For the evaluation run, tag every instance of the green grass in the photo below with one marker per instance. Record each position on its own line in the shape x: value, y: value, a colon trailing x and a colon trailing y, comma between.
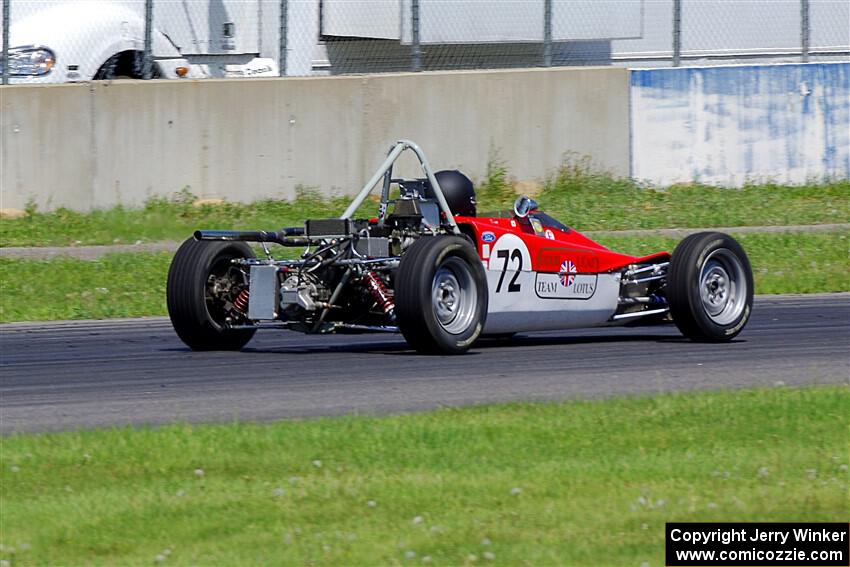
x: 579, y: 196
x: 782, y: 262
x: 575, y: 483
x: 574, y: 194
x: 133, y: 284
x: 118, y: 285
x: 165, y: 219
x: 592, y: 201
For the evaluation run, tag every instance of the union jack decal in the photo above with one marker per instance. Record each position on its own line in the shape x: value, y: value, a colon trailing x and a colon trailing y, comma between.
x: 566, y: 273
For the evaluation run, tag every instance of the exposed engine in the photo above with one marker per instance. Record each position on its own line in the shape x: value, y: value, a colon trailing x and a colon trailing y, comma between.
x: 344, y: 279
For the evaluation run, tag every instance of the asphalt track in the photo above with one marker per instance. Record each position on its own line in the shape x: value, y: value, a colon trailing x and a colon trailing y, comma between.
x: 93, y: 374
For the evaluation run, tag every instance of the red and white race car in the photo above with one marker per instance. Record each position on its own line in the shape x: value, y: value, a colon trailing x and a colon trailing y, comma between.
x: 429, y: 267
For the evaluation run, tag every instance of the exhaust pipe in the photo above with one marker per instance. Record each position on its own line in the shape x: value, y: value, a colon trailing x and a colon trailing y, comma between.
x: 281, y: 237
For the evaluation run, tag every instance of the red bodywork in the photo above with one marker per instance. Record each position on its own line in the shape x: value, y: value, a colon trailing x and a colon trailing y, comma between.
x: 549, y: 247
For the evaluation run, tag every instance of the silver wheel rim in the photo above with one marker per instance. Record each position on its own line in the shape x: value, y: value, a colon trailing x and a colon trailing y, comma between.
x: 453, y: 296
x: 723, y: 287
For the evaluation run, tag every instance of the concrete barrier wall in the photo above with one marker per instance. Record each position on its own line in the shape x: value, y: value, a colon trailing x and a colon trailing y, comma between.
x: 86, y: 146
x: 729, y: 125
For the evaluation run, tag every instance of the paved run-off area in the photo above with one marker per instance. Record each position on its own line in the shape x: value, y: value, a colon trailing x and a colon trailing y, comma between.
x: 102, y: 373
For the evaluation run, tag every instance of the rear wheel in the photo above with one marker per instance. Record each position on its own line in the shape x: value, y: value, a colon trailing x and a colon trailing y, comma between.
x: 441, y: 295
x: 202, y: 288
x: 710, y: 287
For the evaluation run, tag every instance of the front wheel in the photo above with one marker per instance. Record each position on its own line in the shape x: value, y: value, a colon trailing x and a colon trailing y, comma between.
x: 710, y: 287
x: 441, y: 295
x: 203, y: 287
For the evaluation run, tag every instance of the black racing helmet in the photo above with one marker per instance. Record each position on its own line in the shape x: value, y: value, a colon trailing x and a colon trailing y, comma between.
x: 458, y: 191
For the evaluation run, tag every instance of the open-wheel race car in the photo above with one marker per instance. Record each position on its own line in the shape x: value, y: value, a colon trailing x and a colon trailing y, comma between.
x: 427, y: 266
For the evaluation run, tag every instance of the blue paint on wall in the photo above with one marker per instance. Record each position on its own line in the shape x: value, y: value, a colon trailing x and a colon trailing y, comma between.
x: 731, y: 124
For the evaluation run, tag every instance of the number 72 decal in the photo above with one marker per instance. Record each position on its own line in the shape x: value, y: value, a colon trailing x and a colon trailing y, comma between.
x: 515, y: 255
x: 509, y: 257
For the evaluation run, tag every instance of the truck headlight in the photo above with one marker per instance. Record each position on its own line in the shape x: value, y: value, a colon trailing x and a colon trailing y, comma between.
x: 30, y: 61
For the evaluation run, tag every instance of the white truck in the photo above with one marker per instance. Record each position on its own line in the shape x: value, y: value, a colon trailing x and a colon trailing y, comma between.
x: 58, y: 41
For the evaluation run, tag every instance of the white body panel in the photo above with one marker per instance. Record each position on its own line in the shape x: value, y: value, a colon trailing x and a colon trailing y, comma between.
x: 524, y: 300
x: 528, y: 311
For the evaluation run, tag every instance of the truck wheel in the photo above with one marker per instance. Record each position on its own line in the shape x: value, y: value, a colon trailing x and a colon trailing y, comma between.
x: 710, y: 287
x: 202, y: 286
x: 441, y: 295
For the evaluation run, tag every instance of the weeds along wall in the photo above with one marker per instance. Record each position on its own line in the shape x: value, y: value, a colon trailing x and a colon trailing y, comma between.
x: 85, y: 146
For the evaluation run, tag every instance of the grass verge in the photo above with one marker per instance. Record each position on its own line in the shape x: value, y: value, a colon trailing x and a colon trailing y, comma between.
x: 574, y: 194
x: 117, y: 285
x: 596, y: 202
x: 575, y: 483
x: 133, y: 285
x: 782, y: 262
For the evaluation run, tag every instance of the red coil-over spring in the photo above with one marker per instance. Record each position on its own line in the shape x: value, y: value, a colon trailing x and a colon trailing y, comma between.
x: 379, y: 292
x: 241, y: 301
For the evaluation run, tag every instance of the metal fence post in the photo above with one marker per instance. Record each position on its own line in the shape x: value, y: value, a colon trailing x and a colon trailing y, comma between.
x: 677, y: 32
x: 147, y: 57
x: 415, y: 48
x: 547, y: 33
x: 5, y: 55
x: 804, y: 29
x: 283, y: 36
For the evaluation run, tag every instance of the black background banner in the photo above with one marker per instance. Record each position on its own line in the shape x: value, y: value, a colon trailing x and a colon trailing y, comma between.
x: 764, y: 544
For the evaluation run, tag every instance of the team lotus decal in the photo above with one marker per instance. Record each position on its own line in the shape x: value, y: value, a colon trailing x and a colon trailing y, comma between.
x: 566, y: 284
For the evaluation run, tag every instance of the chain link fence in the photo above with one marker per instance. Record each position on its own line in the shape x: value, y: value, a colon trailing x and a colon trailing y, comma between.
x: 780, y: 30
x: 79, y: 40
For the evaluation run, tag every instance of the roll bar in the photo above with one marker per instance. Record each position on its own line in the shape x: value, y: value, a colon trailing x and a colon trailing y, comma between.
x: 385, y: 171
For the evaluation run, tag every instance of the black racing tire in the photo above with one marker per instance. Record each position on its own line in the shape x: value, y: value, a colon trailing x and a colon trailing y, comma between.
x: 441, y: 295
x: 186, y: 294
x: 710, y: 287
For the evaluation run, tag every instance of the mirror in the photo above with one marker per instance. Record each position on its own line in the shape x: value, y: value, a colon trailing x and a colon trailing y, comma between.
x: 524, y: 205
